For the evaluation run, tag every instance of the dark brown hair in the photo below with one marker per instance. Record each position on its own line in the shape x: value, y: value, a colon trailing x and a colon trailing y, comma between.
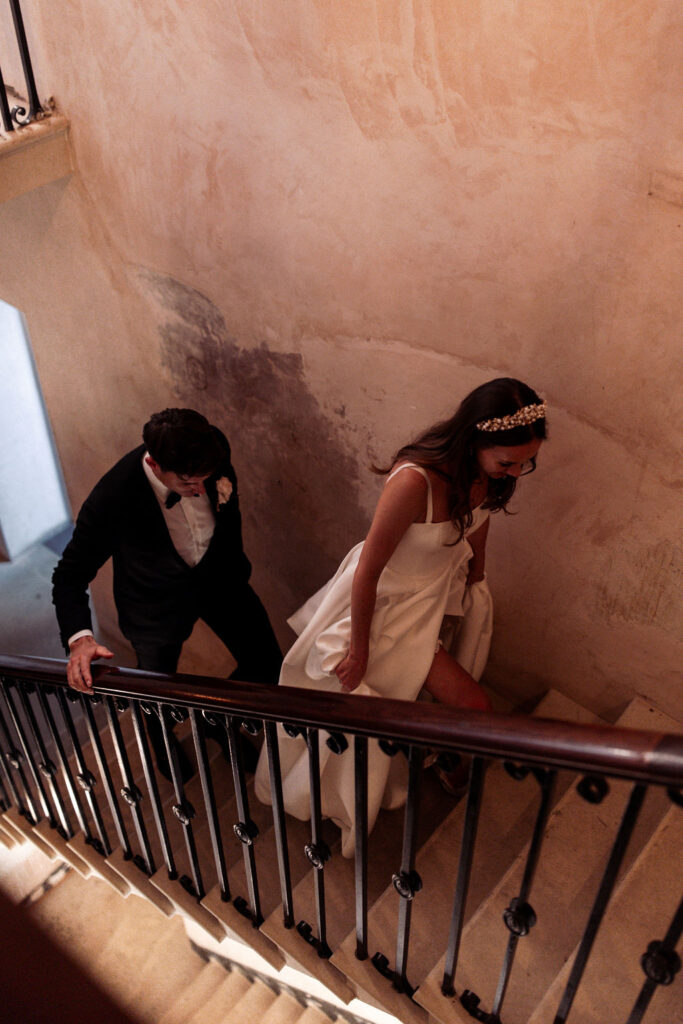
x: 454, y: 444
x: 182, y: 441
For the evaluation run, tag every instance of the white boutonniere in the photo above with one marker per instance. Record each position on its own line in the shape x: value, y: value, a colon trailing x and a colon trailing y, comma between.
x: 223, y: 490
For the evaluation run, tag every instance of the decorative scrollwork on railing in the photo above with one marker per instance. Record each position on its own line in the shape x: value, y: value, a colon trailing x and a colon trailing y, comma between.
x: 293, y: 730
x: 132, y: 795
x: 14, y: 758
x: 407, y: 884
x: 593, y: 788
x: 519, y: 917
x: 470, y: 1001
x: 87, y: 781
x: 178, y: 715
x: 337, y: 742
x: 246, y: 831
x: 660, y: 964
x: 306, y: 932
x: 252, y: 726
x: 184, y: 812
x: 318, y: 854
x: 20, y: 116
x: 48, y: 769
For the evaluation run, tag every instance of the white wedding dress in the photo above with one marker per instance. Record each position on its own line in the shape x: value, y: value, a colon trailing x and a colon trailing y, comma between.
x: 424, y: 580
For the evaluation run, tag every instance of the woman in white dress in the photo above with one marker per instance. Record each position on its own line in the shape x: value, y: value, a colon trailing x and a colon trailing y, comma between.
x: 374, y: 627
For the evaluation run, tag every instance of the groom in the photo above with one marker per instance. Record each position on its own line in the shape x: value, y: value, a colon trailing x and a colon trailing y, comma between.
x: 168, y: 514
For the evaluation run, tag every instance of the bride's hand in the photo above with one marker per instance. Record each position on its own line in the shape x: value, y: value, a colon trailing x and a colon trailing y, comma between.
x: 350, y: 672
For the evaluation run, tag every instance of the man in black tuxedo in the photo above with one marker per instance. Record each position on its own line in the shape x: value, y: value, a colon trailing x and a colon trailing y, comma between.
x: 168, y: 514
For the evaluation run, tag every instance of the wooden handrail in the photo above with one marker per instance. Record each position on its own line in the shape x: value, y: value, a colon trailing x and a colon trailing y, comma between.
x: 629, y: 753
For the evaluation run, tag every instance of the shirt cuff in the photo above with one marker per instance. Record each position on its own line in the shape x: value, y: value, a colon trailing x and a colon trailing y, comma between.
x: 77, y: 636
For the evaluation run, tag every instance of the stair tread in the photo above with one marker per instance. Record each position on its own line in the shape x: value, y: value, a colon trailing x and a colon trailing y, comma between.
x: 577, y: 843
x: 640, y: 912
x: 169, y: 967
x: 252, y: 1005
x: 285, y: 1010
x: 196, y: 994
x: 507, y: 813
x: 221, y: 1000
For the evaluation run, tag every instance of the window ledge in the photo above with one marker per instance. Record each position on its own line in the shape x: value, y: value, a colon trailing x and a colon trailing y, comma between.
x: 33, y: 156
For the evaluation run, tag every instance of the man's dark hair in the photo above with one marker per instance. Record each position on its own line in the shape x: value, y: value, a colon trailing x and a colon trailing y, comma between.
x: 183, y: 441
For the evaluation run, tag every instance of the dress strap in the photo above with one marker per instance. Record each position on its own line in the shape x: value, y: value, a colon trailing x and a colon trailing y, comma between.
x: 423, y: 472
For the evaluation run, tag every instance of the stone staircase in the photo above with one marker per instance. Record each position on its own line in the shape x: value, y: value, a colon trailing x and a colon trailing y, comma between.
x: 577, y: 840
x: 146, y: 965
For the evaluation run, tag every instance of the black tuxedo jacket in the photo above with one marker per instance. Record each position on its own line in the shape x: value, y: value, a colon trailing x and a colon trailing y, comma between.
x: 158, y: 596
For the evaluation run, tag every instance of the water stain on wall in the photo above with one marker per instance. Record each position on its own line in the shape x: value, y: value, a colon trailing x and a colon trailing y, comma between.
x: 298, y: 482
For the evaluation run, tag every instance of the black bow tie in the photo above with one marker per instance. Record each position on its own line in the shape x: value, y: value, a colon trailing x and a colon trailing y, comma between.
x: 172, y: 499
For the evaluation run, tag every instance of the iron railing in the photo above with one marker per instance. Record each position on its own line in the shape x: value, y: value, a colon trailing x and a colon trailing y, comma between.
x: 18, y: 115
x: 55, y: 744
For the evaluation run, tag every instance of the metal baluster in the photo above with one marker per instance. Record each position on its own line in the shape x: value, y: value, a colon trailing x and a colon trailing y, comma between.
x: 210, y: 800
x: 661, y: 964
x: 130, y: 792
x: 317, y: 852
x: 273, y: 751
x: 46, y: 765
x: 152, y: 788
x: 360, y: 747
x: 183, y: 809
x: 64, y: 765
x: 469, y: 836
x: 13, y: 758
x: 520, y: 916
x: 407, y: 882
x: 607, y: 884
x: 86, y: 778
x: 34, y: 103
x: 28, y: 754
x: 7, y: 122
x: 245, y: 829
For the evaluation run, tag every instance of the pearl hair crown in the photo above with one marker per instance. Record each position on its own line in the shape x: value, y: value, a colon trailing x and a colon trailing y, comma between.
x: 527, y: 414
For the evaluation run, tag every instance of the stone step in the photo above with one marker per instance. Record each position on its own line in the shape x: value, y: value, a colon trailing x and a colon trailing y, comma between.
x: 640, y: 912
x: 83, y: 916
x: 169, y: 968
x: 26, y: 829
x: 195, y: 995
x: 285, y: 1010
x: 577, y: 843
x: 221, y: 1001
x: 508, y: 810
x: 312, y: 1015
x: 8, y: 837
x: 252, y: 1006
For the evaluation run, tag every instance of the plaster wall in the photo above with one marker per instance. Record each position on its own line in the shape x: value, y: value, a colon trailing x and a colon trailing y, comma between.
x: 323, y: 223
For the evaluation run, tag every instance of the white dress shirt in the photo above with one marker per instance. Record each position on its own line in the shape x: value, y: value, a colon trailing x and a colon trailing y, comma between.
x: 190, y: 523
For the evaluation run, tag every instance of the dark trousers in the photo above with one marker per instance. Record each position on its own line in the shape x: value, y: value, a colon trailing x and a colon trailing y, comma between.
x: 241, y: 622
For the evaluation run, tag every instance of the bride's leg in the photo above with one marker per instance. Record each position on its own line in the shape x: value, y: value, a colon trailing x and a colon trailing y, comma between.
x: 448, y: 682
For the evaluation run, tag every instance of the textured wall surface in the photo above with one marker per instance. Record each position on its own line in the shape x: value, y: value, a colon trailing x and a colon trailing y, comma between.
x: 323, y: 223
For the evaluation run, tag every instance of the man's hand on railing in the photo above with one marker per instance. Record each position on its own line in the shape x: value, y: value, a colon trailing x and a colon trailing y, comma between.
x: 82, y: 652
